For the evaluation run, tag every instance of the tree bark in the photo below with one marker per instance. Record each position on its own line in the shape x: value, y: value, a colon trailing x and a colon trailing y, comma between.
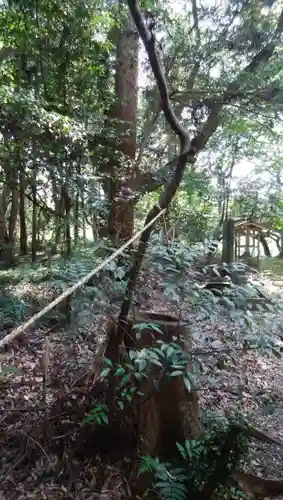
x: 123, y: 176
x: 265, y: 246
x: 161, y: 425
x: 13, y: 216
x: 228, y: 241
x: 22, y: 213
x: 4, y: 202
x: 34, y: 217
x: 281, y: 244
x: 67, y: 206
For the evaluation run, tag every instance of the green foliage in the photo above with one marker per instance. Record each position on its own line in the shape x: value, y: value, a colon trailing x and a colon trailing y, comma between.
x: 168, y: 481
x: 199, y: 462
x: 170, y: 359
x: 98, y: 415
x: 12, y: 308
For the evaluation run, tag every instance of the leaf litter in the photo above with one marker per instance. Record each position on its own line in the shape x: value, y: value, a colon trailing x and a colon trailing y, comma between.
x: 36, y: 435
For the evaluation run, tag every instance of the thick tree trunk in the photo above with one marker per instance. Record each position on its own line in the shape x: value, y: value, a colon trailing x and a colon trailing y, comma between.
x: 265, y: 246
x: 168, y: 414
x: 121, y: 221
x: 281, y: 244
x: 161, y: 425
x: 123, y: 175
x: 228, y: 241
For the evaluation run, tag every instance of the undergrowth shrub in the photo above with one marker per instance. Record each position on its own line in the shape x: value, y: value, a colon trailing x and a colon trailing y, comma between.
x: 204, y: 465
x: 12, y: 309
x: 20, y: 299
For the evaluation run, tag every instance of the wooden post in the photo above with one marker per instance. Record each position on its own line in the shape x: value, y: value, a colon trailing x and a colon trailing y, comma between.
x: 247, y: 248
x: 228, y: 241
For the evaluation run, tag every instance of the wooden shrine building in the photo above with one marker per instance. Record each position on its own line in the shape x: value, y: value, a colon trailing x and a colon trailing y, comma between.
x: 247, y: 239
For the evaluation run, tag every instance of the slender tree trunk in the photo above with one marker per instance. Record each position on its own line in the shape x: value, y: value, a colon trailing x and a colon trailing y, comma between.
x: 79, y: 194
x: 4, y: 202
x: 13, y: 215
x: 34, y: 218
x: 23, y: 225
x: 76, y: 219
x: 58, y: 205
x: 83, y: 215
x: 67, y: 206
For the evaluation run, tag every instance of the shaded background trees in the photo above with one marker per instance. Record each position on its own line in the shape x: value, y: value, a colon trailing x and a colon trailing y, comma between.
x: 81, y: 147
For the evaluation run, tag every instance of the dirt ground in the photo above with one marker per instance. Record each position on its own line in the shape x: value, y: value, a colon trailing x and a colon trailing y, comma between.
x: 251, y: 381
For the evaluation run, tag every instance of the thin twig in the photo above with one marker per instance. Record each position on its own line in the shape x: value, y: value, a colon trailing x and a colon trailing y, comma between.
x: 28, y: 409
x: 37, y: 443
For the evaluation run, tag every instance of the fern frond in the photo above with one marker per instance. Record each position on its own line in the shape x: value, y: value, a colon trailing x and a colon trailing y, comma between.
x: 148, y: 464
x: 171, y: 490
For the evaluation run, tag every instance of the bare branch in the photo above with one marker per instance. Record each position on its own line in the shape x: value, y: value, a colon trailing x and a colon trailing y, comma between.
x: 148, y: 39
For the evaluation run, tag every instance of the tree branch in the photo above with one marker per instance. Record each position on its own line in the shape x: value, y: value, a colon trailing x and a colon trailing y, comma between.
x: 196, y: 23
x: 148, y: 39
x: 188, y: 149
x: 186, y: 154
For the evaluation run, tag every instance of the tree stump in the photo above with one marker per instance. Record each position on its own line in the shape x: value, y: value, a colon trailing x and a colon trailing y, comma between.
x: 170, y: 413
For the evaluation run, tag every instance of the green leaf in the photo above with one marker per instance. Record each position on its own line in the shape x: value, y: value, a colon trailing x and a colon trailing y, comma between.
x: 108, y: 362
x: 124, y: 380
x: 120, y: 371
x: 105, y: 372
x: 120, y: 404
x: 187, y: 384
x: 176, y: 373
x: 141, y: 364
x: 156, y: 362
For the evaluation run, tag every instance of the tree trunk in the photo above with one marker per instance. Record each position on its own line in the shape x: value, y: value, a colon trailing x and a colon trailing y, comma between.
x: 58, y: 204
x: 281, y: 244
x: 34, y: 218
x: 67, y: 206
x: 79, y: 195
x: 228, y: 241
x: 4, y: 201
x: 265, y: 246
x: 76, y: 219
x: 160, y: 425
x: 22, y: 213
x: 13, y: 215
x: 39, y: 245
x: 121, y: 207
x: 121, y: 221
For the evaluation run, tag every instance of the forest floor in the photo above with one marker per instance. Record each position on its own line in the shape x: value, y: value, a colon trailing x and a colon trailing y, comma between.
x: 250, y: 381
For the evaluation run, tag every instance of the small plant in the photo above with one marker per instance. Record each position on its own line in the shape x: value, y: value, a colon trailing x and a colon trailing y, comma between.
x: 169, y: 357
x: 99, y: 415
x: 203, y: 464
x: 168, y: 481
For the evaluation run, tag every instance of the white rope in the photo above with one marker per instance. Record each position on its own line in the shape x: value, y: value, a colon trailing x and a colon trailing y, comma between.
x: 22, y: 328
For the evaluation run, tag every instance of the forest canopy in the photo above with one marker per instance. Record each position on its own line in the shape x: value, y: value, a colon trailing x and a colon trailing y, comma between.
x: 152, y: 374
